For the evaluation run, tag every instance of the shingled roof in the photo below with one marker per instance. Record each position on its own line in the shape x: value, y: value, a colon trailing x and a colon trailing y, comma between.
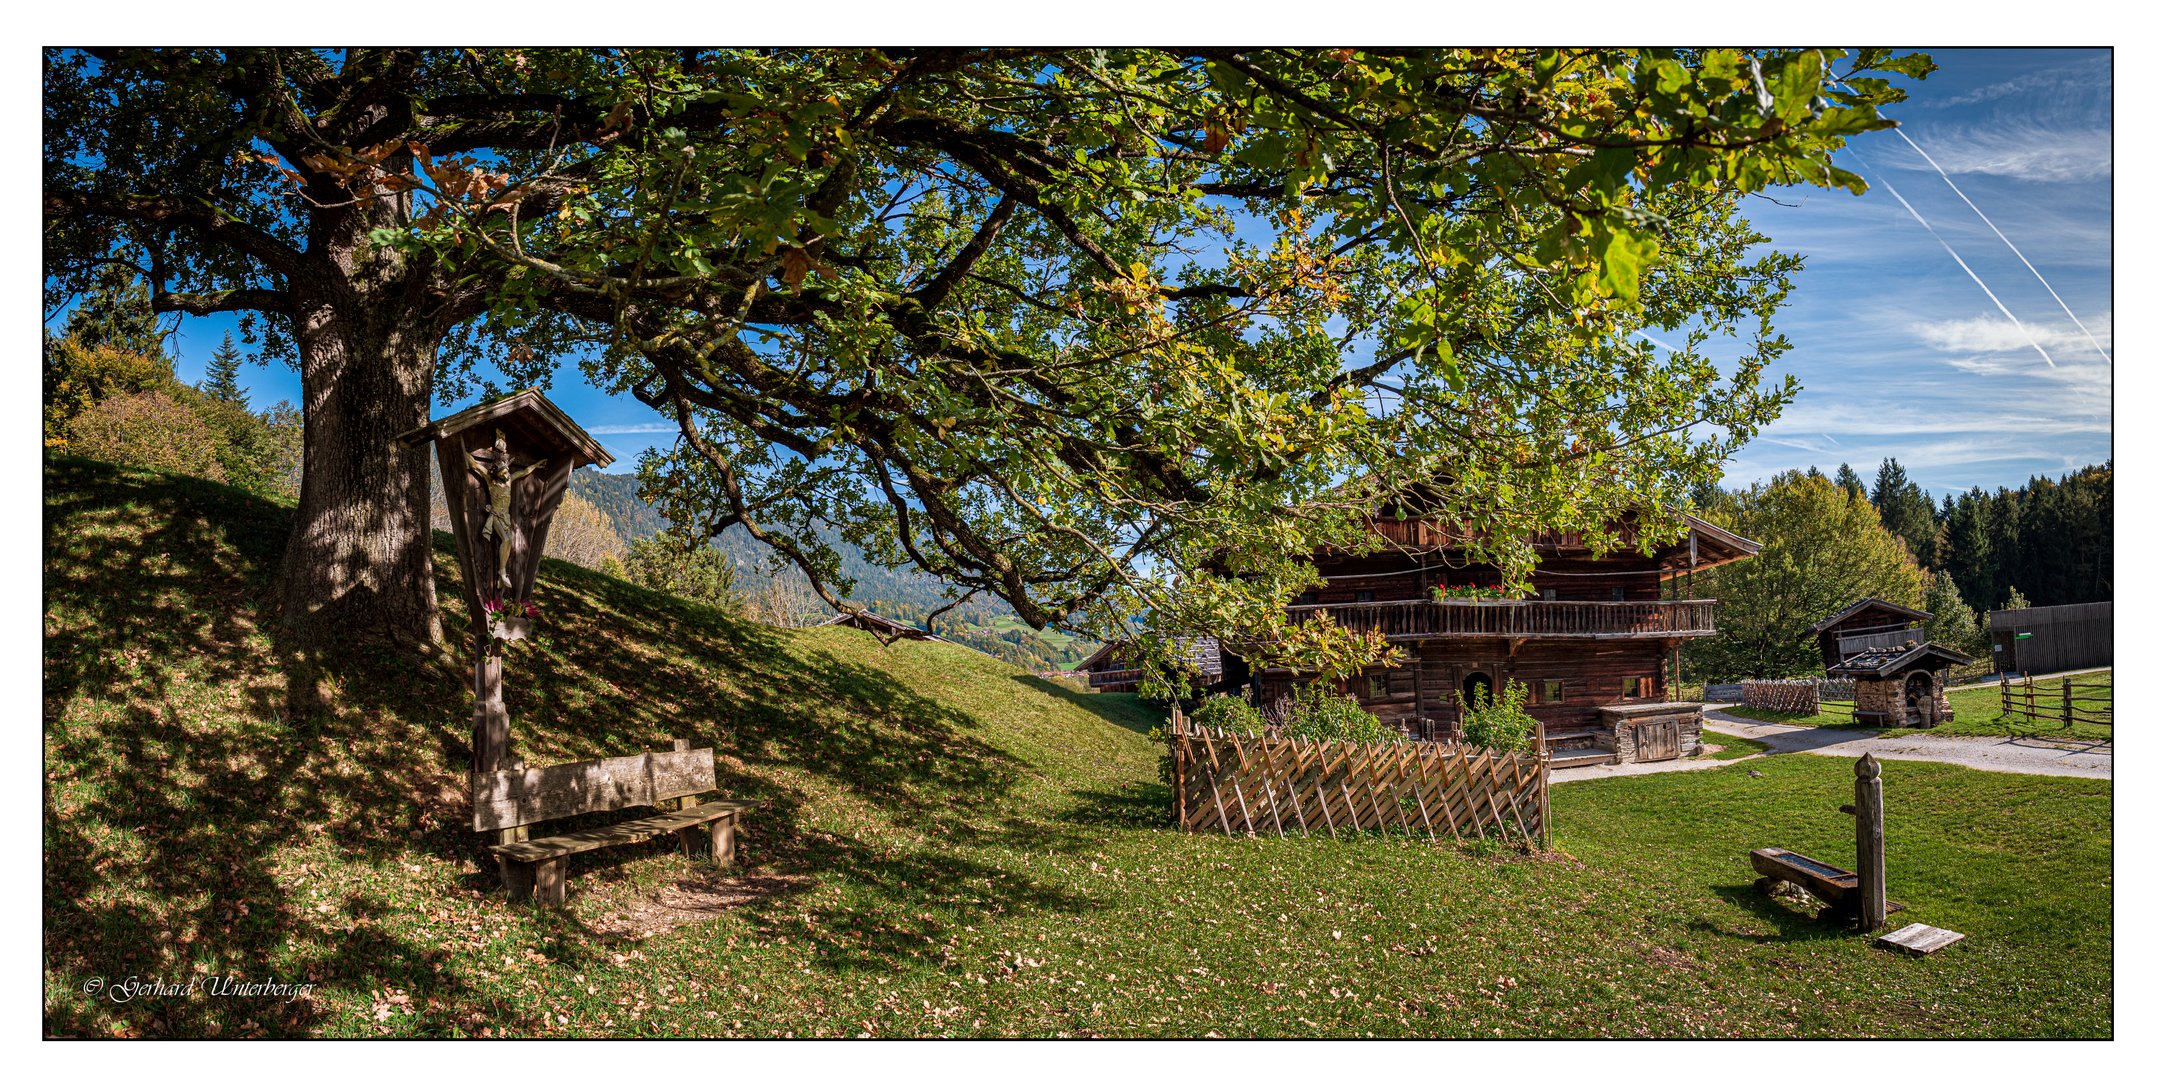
x: 1884, y: 662
x: 1869, y: 604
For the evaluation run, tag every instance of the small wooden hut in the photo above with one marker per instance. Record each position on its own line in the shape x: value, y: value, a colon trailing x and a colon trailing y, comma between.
x: 1901, y: 686
x: 1109, y: 669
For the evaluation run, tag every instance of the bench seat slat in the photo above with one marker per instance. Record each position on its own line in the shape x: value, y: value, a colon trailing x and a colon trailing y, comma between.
x: 624, y: 833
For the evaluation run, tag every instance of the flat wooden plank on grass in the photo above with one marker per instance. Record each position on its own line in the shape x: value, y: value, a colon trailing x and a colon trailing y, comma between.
x: 1919, y: 939
x: 625, y: 833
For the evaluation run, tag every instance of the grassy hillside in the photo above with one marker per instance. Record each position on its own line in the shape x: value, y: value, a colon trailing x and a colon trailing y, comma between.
x: 951, y: 847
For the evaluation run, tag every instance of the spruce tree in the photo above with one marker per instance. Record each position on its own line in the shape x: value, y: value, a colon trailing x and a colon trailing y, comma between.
x: 221, y: 381
x: 1850, y: 480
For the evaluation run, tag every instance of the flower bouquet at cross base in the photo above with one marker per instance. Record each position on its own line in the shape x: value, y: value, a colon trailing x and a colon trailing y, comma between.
x: 510, y: 620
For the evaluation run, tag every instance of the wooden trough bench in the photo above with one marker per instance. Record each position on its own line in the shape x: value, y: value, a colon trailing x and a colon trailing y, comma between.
x: 1835, y: 886
x: 507, y: 802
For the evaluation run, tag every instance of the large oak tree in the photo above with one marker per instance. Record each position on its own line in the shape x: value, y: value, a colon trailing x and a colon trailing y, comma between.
x: 1095, y: 331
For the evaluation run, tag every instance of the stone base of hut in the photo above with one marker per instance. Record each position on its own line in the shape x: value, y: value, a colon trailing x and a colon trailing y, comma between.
x: 1651, y: 731
x: 1915, y: 699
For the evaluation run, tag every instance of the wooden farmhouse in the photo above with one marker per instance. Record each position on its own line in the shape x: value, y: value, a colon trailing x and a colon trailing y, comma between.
x: 1592, y: 642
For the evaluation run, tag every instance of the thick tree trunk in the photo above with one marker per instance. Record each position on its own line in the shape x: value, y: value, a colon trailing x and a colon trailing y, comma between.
x: 359, y: 560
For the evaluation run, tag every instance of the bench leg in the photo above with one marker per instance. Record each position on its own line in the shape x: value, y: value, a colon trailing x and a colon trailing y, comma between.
x: 549, y: 886
x: 723, y: 841
x: 517, y: 879
x: 692, y: 841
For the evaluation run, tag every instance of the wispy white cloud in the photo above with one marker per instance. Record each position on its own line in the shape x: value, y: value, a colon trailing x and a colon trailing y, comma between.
x: 1986, y: 335
x: 2080, y: 77
x: 2020, y: 150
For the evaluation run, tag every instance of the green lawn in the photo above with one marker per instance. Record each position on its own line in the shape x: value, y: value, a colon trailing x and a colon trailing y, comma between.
x: 1732, y: 746
x: 950, y: 847
x: 1977, y: 710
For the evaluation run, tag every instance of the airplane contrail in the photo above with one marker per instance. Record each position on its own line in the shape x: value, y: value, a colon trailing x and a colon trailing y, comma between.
x: 2006, y: 243
x: 1999, y: 306
x: 1657, y: 343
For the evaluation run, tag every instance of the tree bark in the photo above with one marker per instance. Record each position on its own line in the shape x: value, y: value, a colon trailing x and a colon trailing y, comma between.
x: 359, y: 560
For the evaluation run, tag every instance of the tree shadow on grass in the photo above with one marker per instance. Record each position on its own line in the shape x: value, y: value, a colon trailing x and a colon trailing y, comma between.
x: 222, y: 799
x: 1138, y: 807
x: 1128, y: 711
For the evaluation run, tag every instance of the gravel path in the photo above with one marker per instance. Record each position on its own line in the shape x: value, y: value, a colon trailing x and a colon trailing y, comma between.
x: 1995, y: 753
x: 2044, y: 757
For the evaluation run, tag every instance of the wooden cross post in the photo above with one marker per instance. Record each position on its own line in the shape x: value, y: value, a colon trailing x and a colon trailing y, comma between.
x: 491, y: 721
x: 1868, y: 838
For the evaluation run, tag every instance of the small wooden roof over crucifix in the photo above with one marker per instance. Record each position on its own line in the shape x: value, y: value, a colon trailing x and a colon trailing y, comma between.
x: 529, y: 418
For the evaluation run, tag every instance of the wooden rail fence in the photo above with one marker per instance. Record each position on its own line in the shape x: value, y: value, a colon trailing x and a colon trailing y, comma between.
x: 1243, y: 784
x: 2058, y: 706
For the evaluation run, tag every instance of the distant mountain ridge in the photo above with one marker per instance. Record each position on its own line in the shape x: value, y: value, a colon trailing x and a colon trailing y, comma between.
x: 984, y: 623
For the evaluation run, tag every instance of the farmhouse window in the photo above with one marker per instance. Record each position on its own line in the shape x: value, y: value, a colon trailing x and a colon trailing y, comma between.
x: 1550, y: 692
x: 1375, y: 687
x: 1364, y: 596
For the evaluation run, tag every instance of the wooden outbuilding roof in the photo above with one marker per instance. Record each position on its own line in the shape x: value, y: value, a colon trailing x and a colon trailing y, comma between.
x: 1203, y: 654
x: 1869, y: 605
x: 1884, y: 662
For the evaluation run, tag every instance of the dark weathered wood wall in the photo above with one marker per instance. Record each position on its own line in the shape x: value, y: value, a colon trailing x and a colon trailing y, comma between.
x: 2064, y: 638
x: 1590, y: 674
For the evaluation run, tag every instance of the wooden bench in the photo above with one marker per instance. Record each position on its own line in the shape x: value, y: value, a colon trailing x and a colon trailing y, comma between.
x: 508, y: 801
x: 1835, y: 886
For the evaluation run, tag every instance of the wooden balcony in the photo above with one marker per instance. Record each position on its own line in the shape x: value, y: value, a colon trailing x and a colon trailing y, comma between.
x: 1523, y: 619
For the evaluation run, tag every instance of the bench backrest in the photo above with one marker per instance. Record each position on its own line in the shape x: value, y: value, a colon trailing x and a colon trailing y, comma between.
x: 507, y: 798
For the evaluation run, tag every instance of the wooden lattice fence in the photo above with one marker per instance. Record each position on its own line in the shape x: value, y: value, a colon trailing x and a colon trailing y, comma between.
x: 1798, y: 697
x: 1275, y: 784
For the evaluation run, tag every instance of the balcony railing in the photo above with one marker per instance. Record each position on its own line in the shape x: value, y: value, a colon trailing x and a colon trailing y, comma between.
x: 1523, y: 618
x: 1851, y: 644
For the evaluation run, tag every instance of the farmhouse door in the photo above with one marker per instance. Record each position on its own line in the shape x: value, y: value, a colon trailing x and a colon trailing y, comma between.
x: 1658, y: 740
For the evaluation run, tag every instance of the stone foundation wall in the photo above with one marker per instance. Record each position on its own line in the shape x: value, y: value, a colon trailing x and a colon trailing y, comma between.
x: 1887, y: 697
x: 1619, y: 736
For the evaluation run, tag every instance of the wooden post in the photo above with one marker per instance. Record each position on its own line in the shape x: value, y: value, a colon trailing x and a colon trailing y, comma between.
x: 2068, y: 716
x: 549, y: 886
x: 491, y: 721
x: 1177, y: 763
x: 723, y: 840
x: 1544, y: 790
x: 519, y: 886
x: 1868, y: 838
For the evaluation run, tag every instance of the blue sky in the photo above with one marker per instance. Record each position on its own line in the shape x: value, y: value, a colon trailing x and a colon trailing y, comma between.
x: 1899, y: 351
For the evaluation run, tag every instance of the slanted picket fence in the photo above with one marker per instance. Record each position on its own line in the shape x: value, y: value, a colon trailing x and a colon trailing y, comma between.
x: 1799, y: 697
x: 1274, y: 784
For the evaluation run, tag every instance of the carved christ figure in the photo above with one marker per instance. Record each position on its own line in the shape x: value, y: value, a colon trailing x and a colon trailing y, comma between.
x: 495, y: 475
